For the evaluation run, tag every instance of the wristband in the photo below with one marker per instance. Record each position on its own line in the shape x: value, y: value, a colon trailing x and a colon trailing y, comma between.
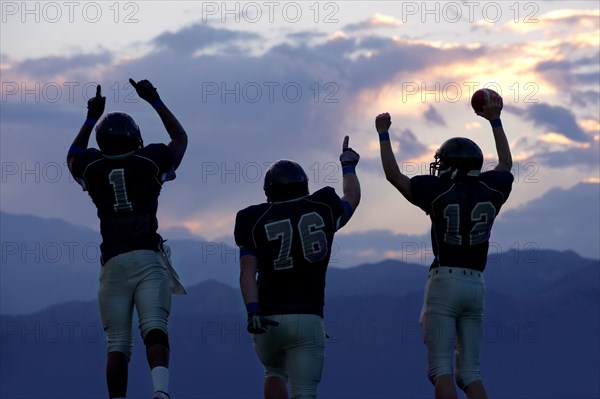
x: 348, y: 169
x: 90, y: 122
x: 157, y: 103
x: 75, y: 149
x: 384, y: 136
x: 253, y: 307
x: 496, y: 123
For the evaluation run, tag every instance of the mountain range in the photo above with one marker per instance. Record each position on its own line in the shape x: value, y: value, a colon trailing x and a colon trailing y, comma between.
x: 541, y: 335
x: 540, y: 338
x: 61, y: 260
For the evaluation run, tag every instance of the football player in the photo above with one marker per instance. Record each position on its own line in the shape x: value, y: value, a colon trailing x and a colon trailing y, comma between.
x: 124, y: 179
x: 462, y: 203
x: 286, y: 241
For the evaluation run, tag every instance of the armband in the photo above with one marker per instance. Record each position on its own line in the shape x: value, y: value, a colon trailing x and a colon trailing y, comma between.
x: 90, y: 122
x: 496, y: 123
x: 348, y: 169
x: 157, y: 103
x: 75, y: 149
x: 247, y: 251
x: 253, y: 307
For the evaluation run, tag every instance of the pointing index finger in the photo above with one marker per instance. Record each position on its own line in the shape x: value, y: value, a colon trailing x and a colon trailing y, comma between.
x: 345, y: 144
x: 132, y: 82
x: 98, y: 91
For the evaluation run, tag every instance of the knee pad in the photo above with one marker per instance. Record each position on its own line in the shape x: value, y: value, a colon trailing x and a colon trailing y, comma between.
x: 156, y: 336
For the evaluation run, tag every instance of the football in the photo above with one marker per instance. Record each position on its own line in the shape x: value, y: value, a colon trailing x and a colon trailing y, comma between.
x: 482, y: 97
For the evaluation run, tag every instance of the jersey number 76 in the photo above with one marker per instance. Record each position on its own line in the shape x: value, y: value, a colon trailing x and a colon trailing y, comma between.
x: 312, y: 238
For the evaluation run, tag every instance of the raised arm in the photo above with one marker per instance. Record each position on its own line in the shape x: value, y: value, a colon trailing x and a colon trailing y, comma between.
x: 491, y: 111
x: 95, y: 107
x: 350, y: 185
x: 179, y: 140
x: 388, y: 160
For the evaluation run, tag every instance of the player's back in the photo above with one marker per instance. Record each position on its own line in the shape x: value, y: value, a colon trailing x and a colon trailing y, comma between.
x: 462, y: 215
x: 125, y: 191
x: 292, y: 242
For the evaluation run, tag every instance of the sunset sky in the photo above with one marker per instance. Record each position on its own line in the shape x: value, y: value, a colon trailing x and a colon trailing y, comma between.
x: 253, y: 82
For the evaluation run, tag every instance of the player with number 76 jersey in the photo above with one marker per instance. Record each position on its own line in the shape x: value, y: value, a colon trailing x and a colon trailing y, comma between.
x: 286, y: 241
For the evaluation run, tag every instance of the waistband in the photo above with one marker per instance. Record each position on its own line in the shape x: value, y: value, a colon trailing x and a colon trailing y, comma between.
x: 457, y: 271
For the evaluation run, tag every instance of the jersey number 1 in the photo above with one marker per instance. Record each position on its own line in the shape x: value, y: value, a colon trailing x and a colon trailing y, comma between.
x: 116, y: 177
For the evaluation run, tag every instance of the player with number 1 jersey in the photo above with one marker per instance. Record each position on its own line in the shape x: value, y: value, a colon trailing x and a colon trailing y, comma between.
x: 124, y: 179
x: 125, y: 191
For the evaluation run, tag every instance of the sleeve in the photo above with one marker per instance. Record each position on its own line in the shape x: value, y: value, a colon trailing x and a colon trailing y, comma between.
x: 423, y: 188
x: 163, y: 157
x: 341, y: 210
x: 80, y: 162
x: 243, y: 234
x: 499, y: 180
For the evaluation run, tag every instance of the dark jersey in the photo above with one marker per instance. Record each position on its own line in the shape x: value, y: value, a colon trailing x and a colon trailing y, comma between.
x: 292, y: 242
x: 125, y: 190
x: 462, y: 214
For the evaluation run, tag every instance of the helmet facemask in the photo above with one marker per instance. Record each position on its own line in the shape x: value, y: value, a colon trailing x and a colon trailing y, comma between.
x: 458, y: 158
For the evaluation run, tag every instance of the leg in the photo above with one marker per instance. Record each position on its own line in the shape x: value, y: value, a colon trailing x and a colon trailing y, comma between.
x: 444, y: 387
x: 305, y: 354
x: 116, y: 374
x: 268, y: 347
x: 157, y: 348
x: 153, y: 301
x: 476, y: 390
x: 469, y: 327
x: 438, y: 326
x: 275, y: 388
x: 116, y: 312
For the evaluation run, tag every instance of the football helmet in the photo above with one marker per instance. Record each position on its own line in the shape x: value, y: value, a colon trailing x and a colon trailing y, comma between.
x: 285, y: 180
x: 117, y: 134
x: 457, y: 158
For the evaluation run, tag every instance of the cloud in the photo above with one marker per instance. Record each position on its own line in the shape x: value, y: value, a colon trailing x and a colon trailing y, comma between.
x: 51, y: 66
x: 565, y: 73
x: 296, y: 99
x: 375, y: 22
x: 197, y: 37
x: 556, y: 119
x: 552, y: 22
x: 573, y: 156
x: 585, y: 98
x: 304, y: 36
x: 433, y: 117
x: 410, y: 146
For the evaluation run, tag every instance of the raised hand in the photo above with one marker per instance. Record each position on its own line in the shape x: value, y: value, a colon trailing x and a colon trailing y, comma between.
x: 492, y: 109
x: 96, y: 105
x: 383, y: 122
x: 145, y: 90
x: 349, y: 157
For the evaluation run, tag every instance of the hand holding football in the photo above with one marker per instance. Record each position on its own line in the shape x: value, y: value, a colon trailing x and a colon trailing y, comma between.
x: 482, y: 97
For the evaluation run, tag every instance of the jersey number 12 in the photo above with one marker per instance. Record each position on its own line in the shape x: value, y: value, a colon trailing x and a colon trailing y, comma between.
x: 482, y: 217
